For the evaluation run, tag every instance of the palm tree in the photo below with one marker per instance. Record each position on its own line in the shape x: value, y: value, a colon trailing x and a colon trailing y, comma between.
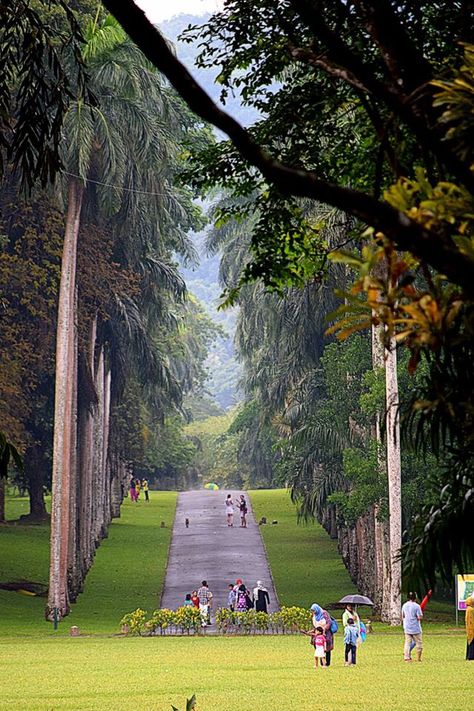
x: 117, y: 154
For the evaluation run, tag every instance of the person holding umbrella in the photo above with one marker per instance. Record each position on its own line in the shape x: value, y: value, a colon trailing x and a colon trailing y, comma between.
x: 350, y: 614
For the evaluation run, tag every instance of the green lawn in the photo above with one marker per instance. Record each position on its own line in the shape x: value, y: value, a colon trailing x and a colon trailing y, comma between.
x: 305, y: 563
x: 128, y: 570
x: 42, y: 670
x: 249, y: 674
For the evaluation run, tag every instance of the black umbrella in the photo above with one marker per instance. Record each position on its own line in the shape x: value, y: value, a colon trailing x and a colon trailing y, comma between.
x: 356, y: 600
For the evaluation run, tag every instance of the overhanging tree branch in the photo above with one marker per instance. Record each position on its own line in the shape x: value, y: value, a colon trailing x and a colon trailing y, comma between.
x: 434, y: 249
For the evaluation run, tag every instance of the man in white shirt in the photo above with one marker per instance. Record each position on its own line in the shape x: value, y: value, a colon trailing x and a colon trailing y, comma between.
x: 412, y: 615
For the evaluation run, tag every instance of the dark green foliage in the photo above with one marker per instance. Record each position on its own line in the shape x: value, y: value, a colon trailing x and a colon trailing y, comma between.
x: 41, y: 71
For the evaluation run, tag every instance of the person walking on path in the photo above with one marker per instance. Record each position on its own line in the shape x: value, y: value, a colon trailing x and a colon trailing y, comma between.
x: 243, y: 511
x: 229, y: 509
x: 322, y: 618
x: 351, y: 636
x: 145, y: 489
x: 261, y: 597
x: 205, y: 603
x: 242, y: 600
x: 231, y: 596
x: 470, y: 628
x: 412, y: 614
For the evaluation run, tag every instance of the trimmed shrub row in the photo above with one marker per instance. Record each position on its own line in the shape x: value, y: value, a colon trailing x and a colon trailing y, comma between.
x: 187, y: 620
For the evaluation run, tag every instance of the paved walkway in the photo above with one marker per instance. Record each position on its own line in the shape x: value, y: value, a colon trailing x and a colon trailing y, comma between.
x: 210, y: 550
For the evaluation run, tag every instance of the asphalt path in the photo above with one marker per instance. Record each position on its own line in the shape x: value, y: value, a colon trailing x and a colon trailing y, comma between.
x: 210, y: 550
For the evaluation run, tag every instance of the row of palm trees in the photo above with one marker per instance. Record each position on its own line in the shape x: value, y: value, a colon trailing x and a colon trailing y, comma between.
x: 281, y: 340
x: 120, y: 151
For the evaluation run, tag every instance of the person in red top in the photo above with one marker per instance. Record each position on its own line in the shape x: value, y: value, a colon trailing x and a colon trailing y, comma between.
x: 194, y: 598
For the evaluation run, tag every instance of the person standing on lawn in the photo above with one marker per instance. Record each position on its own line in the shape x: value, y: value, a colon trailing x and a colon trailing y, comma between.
x: 145, y: 489
x: 412, y: 614
x: 318, y: 641
x: 351, y: 636
x: 470, y: 628
x: 322, y: 618
x: 133, y: 490
x: 349, y: 613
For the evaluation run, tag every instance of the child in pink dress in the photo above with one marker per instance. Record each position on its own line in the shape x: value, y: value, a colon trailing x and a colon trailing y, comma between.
x: 318, y: 641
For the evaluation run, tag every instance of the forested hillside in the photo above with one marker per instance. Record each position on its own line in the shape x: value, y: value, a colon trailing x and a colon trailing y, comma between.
x: 203, y: 280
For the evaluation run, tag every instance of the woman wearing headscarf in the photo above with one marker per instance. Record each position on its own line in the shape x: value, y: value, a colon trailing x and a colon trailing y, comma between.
x: 261, y: 597
x: 321, y: 618
x: 470, y: 628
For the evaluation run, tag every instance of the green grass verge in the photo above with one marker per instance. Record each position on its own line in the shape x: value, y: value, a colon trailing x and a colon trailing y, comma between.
x: 304, y: 561
x: 273, y: 673
x: 128, y: 570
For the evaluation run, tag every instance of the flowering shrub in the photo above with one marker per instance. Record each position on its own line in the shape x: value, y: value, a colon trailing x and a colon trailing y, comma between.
x: 135, y: 621
x: 295, y: 618
x: 185, y: 619
x: 161, y: 619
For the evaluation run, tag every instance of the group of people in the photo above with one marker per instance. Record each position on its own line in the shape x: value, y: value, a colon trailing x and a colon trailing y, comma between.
x: 136, y: 486
x: 241, y: 504
x: 324, y: 629
x: 202, y: 600
x: 240, y: 599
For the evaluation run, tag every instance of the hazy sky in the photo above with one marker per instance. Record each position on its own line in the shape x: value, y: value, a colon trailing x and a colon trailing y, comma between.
x: 158, y: 10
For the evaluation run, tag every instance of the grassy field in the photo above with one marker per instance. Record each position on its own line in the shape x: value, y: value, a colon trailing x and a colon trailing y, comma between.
x: 101, y: 671
x: 128, y: 570
x: 271, y: 674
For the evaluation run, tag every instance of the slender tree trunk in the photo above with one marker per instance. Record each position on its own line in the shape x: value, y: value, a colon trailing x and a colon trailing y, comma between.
x: 35, y: 468
x: 394, y: 483
x: 58, y: 600
x: 37, y: 503
x: 73, y: 562
x: 382, y: 591
x: 107, y: 468
x: 2, y: 500
x: 98, y: 494
x: 86, y: 439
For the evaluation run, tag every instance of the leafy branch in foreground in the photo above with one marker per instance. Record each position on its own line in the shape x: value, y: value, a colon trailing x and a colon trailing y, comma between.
x: 190, y: 704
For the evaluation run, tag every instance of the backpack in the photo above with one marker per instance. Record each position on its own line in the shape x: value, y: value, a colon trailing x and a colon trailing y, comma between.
x: 334, y: 626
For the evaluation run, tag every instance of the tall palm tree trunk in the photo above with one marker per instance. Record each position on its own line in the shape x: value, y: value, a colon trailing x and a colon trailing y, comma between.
x: 394, y: 471
x: 73, y: 574
x: 64, y: 421
x: 86, y: 440
x: 2, y: 499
